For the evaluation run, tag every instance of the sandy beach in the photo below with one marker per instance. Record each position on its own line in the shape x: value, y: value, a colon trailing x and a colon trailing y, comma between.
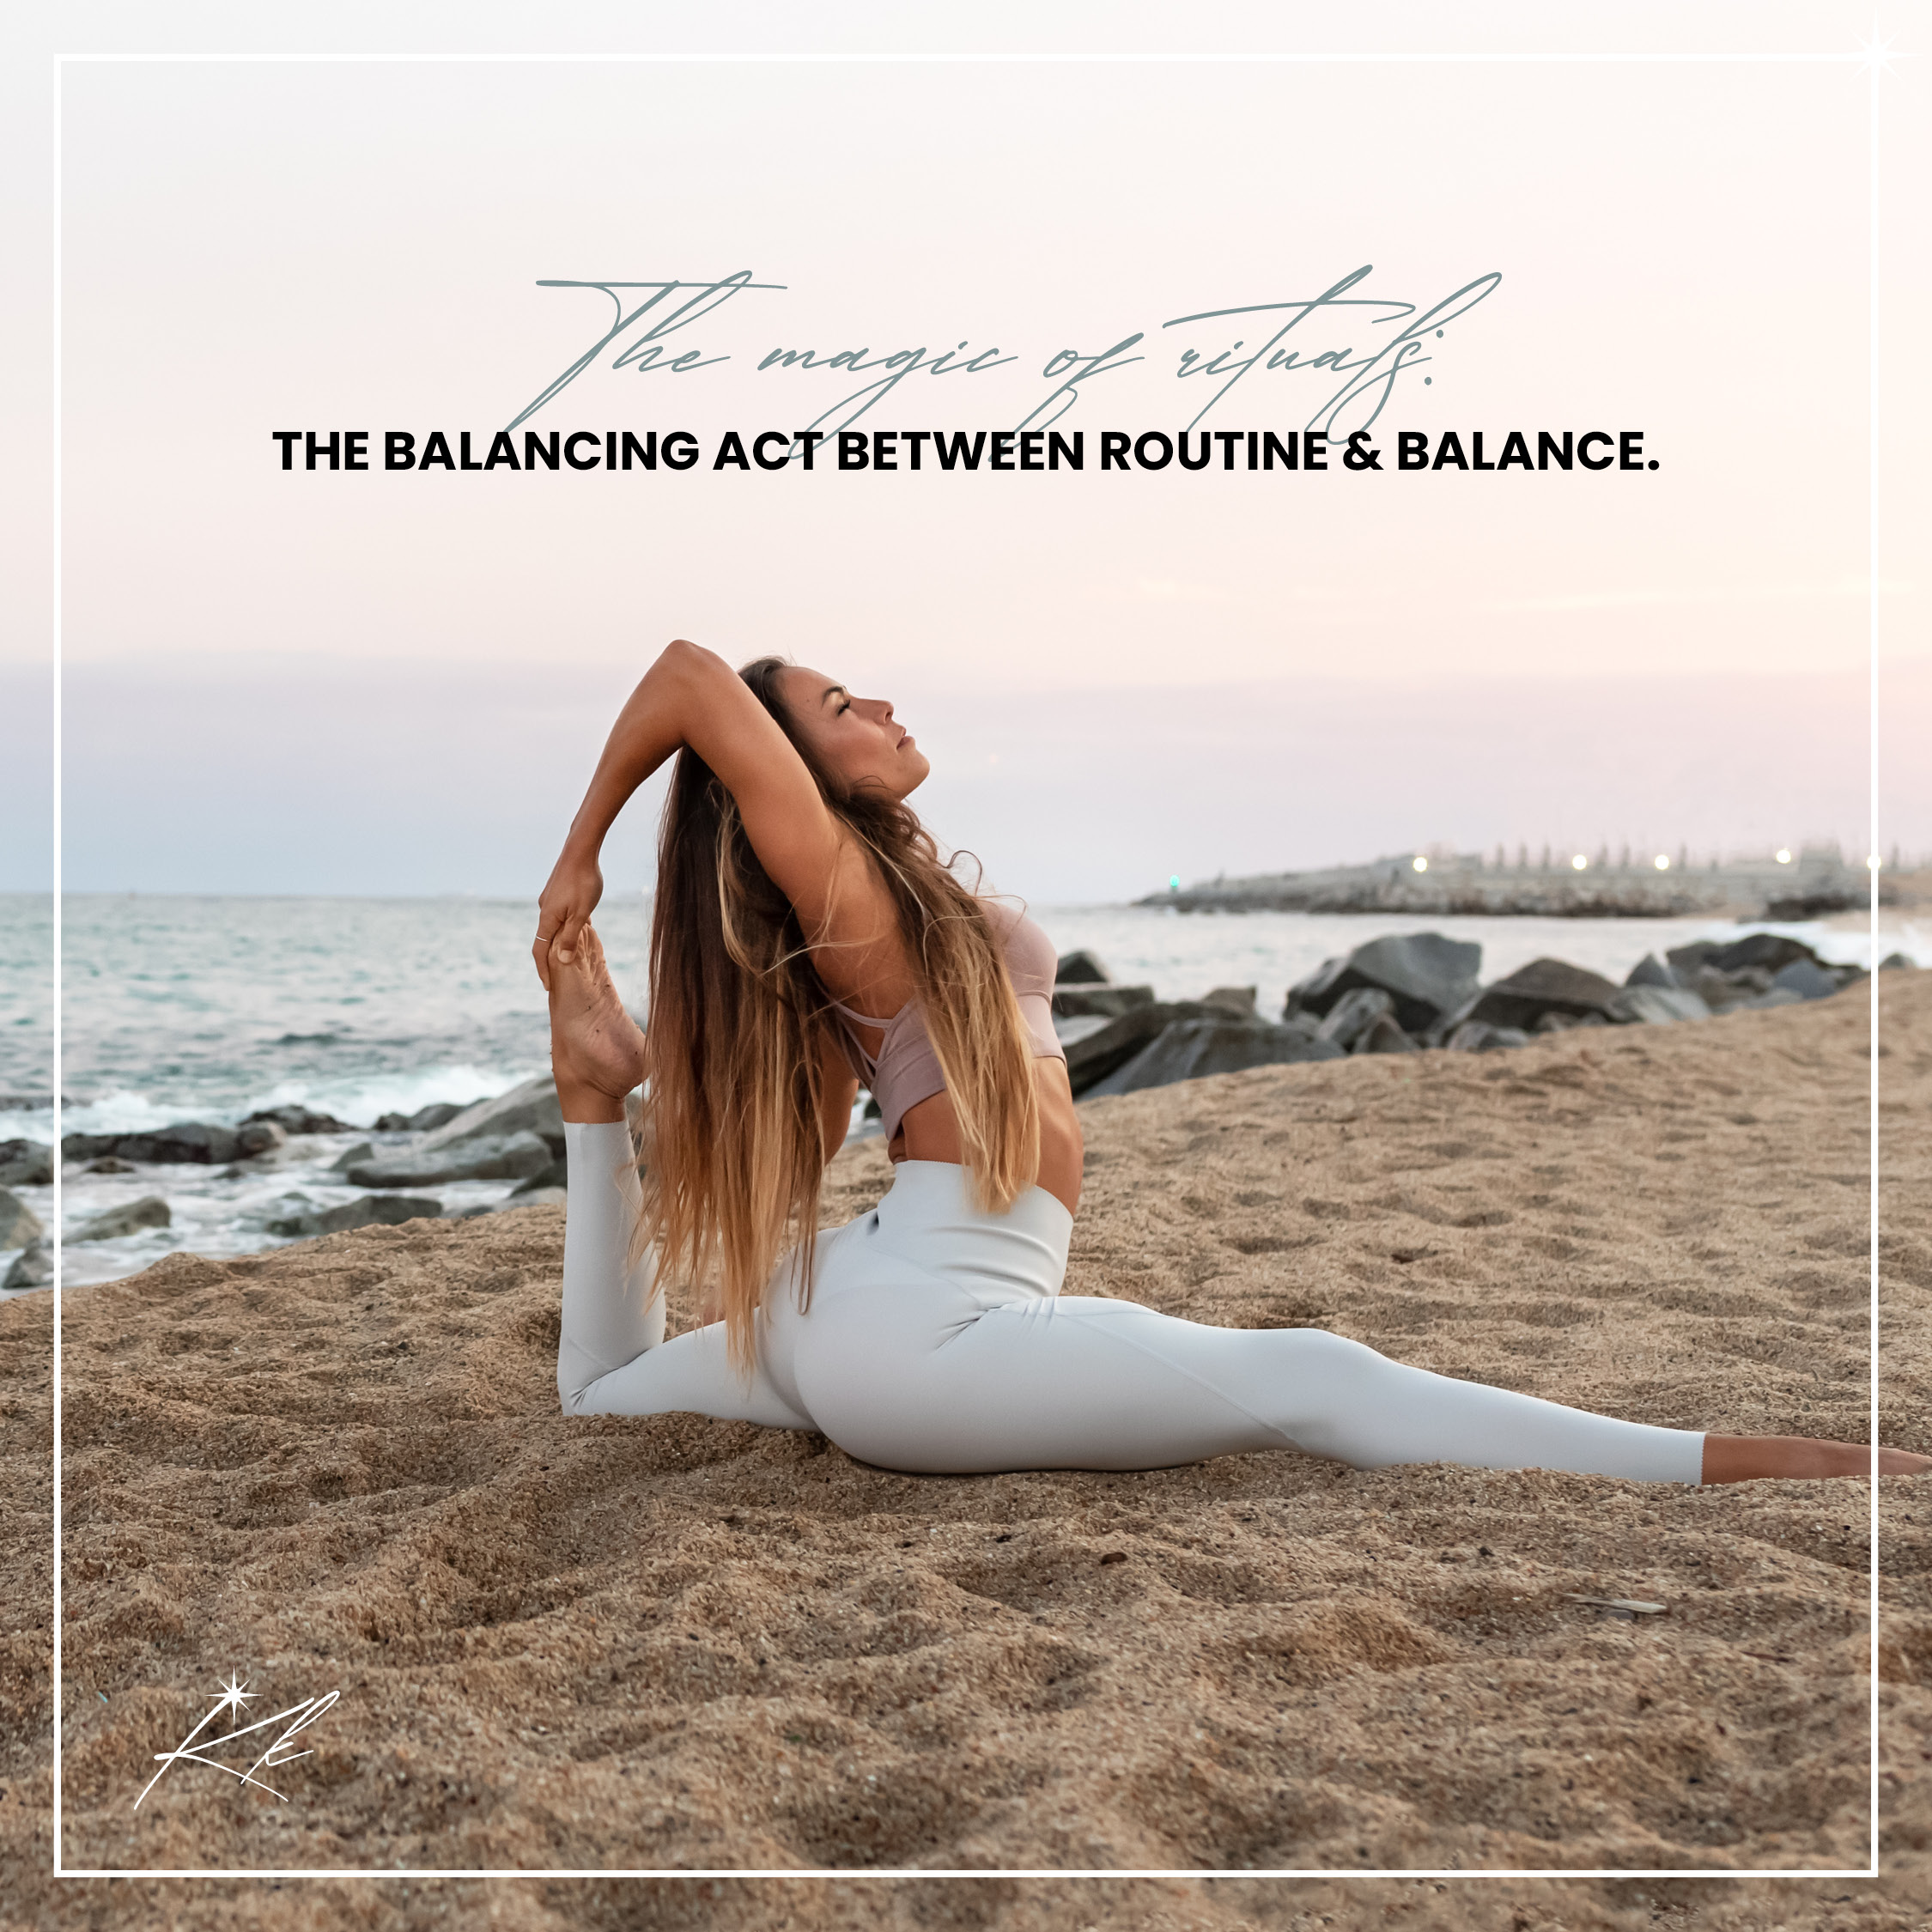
x: 599, y: 1643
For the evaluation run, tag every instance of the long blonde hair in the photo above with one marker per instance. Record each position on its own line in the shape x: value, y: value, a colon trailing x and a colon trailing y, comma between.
x: 732, y: 1157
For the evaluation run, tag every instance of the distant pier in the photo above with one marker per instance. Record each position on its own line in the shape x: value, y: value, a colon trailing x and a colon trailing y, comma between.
x: 1806, y: 883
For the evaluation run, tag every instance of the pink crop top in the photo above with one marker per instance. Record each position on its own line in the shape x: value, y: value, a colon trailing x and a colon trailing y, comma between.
x: 907, y: 1070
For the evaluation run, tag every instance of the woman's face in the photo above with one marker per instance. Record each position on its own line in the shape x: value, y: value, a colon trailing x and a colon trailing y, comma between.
x: 854, y: 737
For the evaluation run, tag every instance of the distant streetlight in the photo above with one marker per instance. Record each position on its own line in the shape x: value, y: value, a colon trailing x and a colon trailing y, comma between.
x: 1783, y: 855
x: 1662, y: 862
x: 1579, y: 862
x: 1420, y: 864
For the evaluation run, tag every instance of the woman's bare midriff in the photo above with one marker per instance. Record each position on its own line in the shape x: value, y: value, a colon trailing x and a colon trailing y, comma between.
x: 929, y: 1132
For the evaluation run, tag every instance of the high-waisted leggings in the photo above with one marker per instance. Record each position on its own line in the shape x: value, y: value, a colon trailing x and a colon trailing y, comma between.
x: 937, y: 1340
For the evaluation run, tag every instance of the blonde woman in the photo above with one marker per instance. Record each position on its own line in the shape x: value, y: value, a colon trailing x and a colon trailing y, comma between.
x: 806, y: 936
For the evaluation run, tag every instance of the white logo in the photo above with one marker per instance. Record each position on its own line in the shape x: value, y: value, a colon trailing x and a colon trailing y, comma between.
x: 231, y: 1697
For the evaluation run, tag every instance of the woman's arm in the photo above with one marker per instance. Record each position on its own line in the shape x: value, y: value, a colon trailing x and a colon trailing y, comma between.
x: 691, y: 696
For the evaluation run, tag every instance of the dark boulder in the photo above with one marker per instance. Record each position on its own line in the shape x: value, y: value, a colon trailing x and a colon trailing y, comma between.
x: 1353, y: 1014
x: 1080, y: 1001
x: 1893, y: 962
x: 1233, y: 999
x: 534, y: 1197
x: 1686, y: 961
x: 26, y: 1163
x: 1081, y: 968
x: 1091, y: 1058
x: 199, y: 1142
x: 1426, y: 976
x: 438, y: 1113
x: 556, y: 1174
x: 109, y: 1163
x: 1806, y: 978
x: 33, y: 1268
x: 1717, y: 991
x: 1192, y: 1049
x: 1772, y: 950
x: 300, y: 1120
x: 1478, y: 1036
x: 20, y: 1226
x: 531, y: 1108
x: 259, y: 1137
x: 368, y: 1210
x: 1545, y: 986
x: 1318, y: 991
x: 1657, y: 1006
x: 1385, y: 1036
x: 509, y: 1157
x: 149, y: 1211
x: 1651, y: 971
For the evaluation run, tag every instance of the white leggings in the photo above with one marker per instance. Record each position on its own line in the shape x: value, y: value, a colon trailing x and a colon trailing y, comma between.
x: 938, y: 1341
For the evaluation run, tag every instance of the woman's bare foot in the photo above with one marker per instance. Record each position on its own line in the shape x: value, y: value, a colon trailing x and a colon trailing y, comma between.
x: 597, y: 1052
x: 1737, y: 1459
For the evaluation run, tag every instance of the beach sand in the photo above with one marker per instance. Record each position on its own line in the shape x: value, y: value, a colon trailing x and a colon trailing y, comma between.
x: 594, y: 1642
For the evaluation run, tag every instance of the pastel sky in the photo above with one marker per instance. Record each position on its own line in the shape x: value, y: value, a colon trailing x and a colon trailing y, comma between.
x: 1130, y: 675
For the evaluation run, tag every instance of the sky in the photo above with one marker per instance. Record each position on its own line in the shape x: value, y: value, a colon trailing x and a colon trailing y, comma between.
x: 287, y: 680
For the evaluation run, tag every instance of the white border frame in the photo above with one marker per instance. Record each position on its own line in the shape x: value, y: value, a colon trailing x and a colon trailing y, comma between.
x: 1874, y: 55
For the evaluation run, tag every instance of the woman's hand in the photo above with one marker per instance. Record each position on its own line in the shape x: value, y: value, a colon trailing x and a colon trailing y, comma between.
x: 576, y: 883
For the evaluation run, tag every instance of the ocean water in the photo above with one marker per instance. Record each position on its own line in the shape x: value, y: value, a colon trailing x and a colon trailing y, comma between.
x: 210, y: 1008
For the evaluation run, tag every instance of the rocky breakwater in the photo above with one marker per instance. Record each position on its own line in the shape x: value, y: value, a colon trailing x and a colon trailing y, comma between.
x: 518, y: 1136
x: 1558, y: 884
x: 1414, y: 992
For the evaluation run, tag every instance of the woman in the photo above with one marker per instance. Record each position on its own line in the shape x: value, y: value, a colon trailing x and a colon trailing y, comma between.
x: 804, y: 934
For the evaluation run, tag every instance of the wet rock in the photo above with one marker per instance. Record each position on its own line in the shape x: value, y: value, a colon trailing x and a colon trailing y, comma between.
x: 300, y: 1120
x: 1651, y: 971
x: 1385, y: 1036
x: 1806, y: 978
x: 1426, y: 976
x: 198, y: 1142
x: 1658, y: 1005
x: 1081, y: 968
x: 538, y: 1197
x: 1893, y: 962
x: 532, y: 1107
x: 1545, y: 986
x: 1687, y: 961
x: 555, y: 1177
x: 1777, y: 996
x: 109, y: 1163
x: 1318, y: 991
x: 259, y: 1137
x: 149, y: 1211
x: 31, y: 1269
x: 20, y: 1226
x: 1079, y: 1001
x: 439, y: 1113
x: 1233, y: 999
x: 1718, y: 991
x: 1772, y: 950
x: 1480, y: 1036
x: 1093, y: 1058
x: 503, y: 1156
x: 1191, y: 1049
x: 26, y: 1163
x: 353, y: 1157
x: 368, y: 1210
x: 1353, y: 1014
